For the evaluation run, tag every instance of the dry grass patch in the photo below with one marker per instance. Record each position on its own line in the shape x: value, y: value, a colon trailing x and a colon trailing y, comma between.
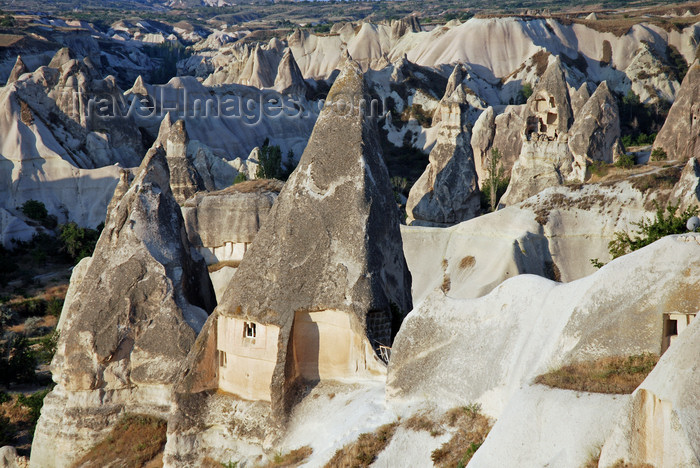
x: 364, y: 451
x: 664, y: 179
x: 446, y: 282
x: 219, y: 265
x: 135, y: 441
x: 16, y: 424
x: 608, y: 375
x: 421, y: 422
x: 472, y: 429
x: 291, y: 459
x: 467, y: 262
x: 257, y: 185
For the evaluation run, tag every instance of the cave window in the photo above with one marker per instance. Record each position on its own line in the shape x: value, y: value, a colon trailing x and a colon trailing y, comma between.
x: 248, y: 330
x: 222, y: 358
x: 672, y: 327
x: 674, y: 324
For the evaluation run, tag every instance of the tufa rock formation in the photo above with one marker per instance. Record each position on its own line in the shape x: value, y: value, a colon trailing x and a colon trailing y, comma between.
x: 185, y: 180
x: 229, y: 217
x: 680, y: 135
x: 549, y: 113
x: 17, y: 70
x: 318, y: 292
x: 289, y: 79
x: 545, y: 159
x: 595, y: 134
x: 456, y: 351
x: 135, y: 309
x: 403, y: 26
x: 660, y: 425
x: 221, y: 225
x: 447, y: 192
x: 62, y: 56
x: 579, y: 97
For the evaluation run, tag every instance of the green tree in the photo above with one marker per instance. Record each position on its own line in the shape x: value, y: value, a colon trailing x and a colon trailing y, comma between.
x: 651, y: 231
x: 625, y: 161
x: 270, y: 166
x: 525, y: 93
x: 35, y: 210
x: 495, y: 179
x: 78, y: 242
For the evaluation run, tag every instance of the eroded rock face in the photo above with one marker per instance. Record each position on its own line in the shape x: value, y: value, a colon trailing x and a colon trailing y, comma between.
x: 447, y: 192
x: 680, y: 135
x: 456, y: 351
x: 328, y: 250
x: 230, y: 216
x: 660, y: 426
x: 193, y: 166
x: 131, y: 320
x: 405, y: 25
x: 650, y: 78
x: 545, y: 159
x: 595, y: 135
x: 553, y: 234
x: 18, y: 69
x: 482, y: 140
x: 185, y: 180
x: 63, y: 55
x: 289, y: 79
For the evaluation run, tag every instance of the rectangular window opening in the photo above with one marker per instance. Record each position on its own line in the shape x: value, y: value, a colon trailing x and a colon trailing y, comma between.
x: 248, y: 330
x: 222, y: 358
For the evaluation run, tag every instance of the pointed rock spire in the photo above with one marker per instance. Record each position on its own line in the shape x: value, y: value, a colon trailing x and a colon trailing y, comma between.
x: 131, y: 319
x: 595, y: 135
x: 185, y: 181
x: 680, y: 135
x: 63, y: 55
x: 17, y: 71
x: 447, y: 192
x: 289, y: 79
x: 140, y: 87
x: 258, y: 71
x: 282, y: 292
x: 405, y: 25
x: 549, y: 110
x: 456, y: 77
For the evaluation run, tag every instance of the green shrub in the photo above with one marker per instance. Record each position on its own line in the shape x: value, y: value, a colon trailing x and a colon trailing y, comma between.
x: 78, y: 242
x: 47, y: 347
x: 625, y: 161
x: 35, y: 210
x: 679, y: 66
x: 29, y: 308
x: 659, y: 155
x: 54, y: 306
x: 18, y: 362
x: 34, y: 402
x: 525, y: 93
x: 416, y: 111
x: 239, y: 178
x: 651, y: 231
x: 8, y: 21
x: 271, y: 163
x: 8, y: 265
